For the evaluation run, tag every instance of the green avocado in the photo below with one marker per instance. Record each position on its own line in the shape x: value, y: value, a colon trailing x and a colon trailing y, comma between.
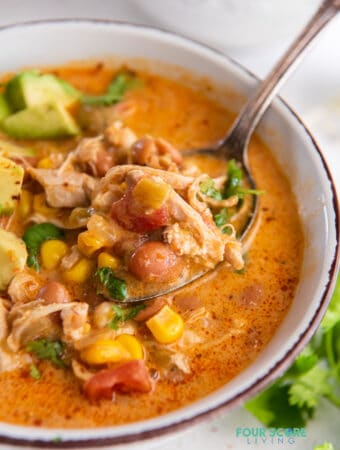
x: 11, y: 177
x: 45, y: 121
x: 4, y: 108
x: 11, y: 150
x: 13, y: 255
x: 30, y: 88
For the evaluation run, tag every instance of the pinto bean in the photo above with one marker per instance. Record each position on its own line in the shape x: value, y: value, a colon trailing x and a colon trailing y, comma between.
x: 54, y: 292
x: 155, y: 261
x: 153, y: 307
x: 105, y: 161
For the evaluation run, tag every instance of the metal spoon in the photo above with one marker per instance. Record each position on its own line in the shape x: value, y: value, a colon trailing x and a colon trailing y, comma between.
x: 235, y: 144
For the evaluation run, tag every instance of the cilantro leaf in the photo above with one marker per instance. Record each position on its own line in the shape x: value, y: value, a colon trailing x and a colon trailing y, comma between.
x: 115, y: 287
x: 207, y: 187
x: 304, y: 362
x: 234, y: 182
x: 48, y: 350
x: 272, y: 408
x: 34, y: 372
x: 34, y: 236
x: 221, y: 218
x: 310, y: 387
x: 123, y: 315
x: 115, y: 91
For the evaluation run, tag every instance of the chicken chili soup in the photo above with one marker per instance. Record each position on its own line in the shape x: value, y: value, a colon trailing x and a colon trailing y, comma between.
x: 99, y: 203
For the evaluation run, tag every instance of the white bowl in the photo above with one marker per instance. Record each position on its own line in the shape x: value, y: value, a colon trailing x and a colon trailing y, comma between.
x: 54, y: 42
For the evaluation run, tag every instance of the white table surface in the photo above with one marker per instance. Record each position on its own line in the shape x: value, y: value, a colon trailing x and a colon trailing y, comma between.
x: 314, y: 92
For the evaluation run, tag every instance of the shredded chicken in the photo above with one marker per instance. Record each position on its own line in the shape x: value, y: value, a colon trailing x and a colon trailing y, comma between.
x: 8, y: 359
x: 24, y: 287
x: 34, y: 320
x: 156, y: 153
x: 204, y: 242
x: 4, y: 306
x: 71, y: 258
x: 121, y: 137
x: 89, y: 152
x: 75, y: 321
x: 64, y: 189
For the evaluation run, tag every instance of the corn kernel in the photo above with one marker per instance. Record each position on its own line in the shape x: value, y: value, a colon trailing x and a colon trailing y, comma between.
x: 80, y: 272
x: 105, y: 351
x: 151, y: 194
x: 40, y: 206
x: 25, y: 204
x: 166, y: 326
x: 132, y: 345
x: 52, y: 252
x: 87, y: 328
x: 88, y: 243
x: 45, y: 163
x: 107, y: 260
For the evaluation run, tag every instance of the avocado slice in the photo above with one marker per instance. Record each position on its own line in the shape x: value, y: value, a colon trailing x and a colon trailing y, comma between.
x: 11, y: 150
x: 45, y: 121
x: 4, y: 108
x: 13, y: 255
x: 30, y: 88
x: 11, y: 177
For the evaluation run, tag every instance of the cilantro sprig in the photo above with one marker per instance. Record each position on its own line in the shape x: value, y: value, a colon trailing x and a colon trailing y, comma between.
x: 207, y: 187
x: 233, y: 187
x: 115, y: 91
x: 234, y: 184
x: 315, y: 374
x: 123, y: 315
x: 44, y: 349
x: 110, y: 284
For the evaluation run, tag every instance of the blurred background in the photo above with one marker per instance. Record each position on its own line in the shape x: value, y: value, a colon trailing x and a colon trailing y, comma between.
x: 255, y: 33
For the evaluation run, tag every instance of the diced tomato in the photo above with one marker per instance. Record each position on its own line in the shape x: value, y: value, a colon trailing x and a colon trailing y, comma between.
x: 128, y: 377
x: 130, y: 216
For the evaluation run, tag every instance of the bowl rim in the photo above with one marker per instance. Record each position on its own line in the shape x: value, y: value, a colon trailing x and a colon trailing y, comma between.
x: 291, y: 353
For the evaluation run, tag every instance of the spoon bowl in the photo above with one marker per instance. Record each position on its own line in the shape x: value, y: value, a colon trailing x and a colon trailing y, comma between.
x: 235, y: 145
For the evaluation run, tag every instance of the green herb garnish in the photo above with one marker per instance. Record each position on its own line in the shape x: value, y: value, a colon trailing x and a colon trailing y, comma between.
x: 234, y: 182
x: 115, y: 287
x: 123, y: 315
x: 315, y: 374
x: 48, y: 350
x: 34, y: 372
x: 34, y: 236
x: 115, y: 91
x: 207, y: 187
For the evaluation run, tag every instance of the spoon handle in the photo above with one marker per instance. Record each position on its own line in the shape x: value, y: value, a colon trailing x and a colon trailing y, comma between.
x: 237, y: 140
